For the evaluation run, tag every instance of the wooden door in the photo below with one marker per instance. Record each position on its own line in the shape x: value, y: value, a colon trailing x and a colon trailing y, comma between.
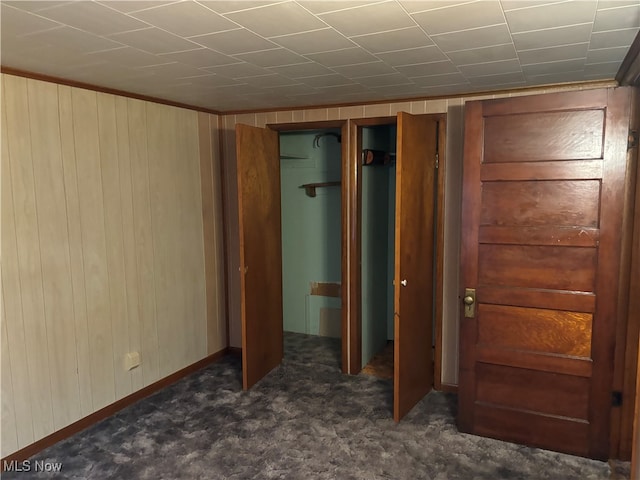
x: 542, y: 213
x: 413, y: 277
x: 258, y: 153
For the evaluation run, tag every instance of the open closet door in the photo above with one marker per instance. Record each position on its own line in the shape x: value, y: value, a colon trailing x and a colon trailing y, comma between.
x: 413, y: 277
x: 257, y: 153
x: 543, y: 193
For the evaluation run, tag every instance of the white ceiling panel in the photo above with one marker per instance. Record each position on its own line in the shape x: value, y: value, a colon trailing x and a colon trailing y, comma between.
x: 491, y: 54
x: 154, y: 40
x: 617, y: 18
x: 365, y: 69
x: 461, y: 17
x: 94, y: 18
x: 543, y: 55
x: 272, y: 58
x: 432, y: 68
x: 199, y: 57
x: 489, y: 68
x: 554, y: 67
x: 236, y: 55
x: 553, y: 37
x: 316, y: 41
x: 477, y: 37
x: 551, y: 15
x: 339, y: 58
x: 613, y: 38
x: 73, y: 39
x: 402, y: 39
x: 16, y: 22
x: 234, y: 41
x: 412, y: 56
x: 379, y: 17
x: 279, y: 19
x: 186, y: 19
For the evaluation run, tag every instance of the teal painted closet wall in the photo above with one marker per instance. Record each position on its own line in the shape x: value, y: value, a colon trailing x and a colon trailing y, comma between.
x: 378, y: 222
x: 311, y: 227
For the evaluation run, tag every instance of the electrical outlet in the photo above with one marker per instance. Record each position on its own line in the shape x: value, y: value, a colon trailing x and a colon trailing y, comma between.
x: 131, y: 360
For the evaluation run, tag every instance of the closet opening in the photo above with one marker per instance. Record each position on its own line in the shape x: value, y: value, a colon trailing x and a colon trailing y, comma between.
x: 378, y: 190
x: 311, y: 226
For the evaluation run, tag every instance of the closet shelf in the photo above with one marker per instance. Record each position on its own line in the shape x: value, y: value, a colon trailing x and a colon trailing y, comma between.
x: 292, y: 156
x: 310, y: 188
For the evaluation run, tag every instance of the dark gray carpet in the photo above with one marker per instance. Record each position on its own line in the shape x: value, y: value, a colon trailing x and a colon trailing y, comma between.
x: 304, y: 420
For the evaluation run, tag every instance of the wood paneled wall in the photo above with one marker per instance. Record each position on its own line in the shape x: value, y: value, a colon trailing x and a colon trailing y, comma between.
x: 454, y: 107
x: 103, y: 251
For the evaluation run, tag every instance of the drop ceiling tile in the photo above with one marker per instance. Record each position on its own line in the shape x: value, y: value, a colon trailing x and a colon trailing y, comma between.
x: 234, y: 41
x: 294, y: 89
x: 238, y: 70
x: 604, y: 55
x: 549, y: 16
x: 402, y: 39
x: 154, y: 40
x: 314, y: 42
x: 343, y: 57
x: 412, y: 56
x: 480, y: 69
x: 74, y: 39
x: 605, y: 5
x: 269, y: 80
x: 299, y: 70
x: 395, y: 92
x: 424, y: 69
x: 413, y: 6
x: 543, y: 55
x: 460, y: 17
x: 495, y: 53
x: 186, y: 19
x: 454, y: 89
x: 272, y: 58
x: 128, y: 56
x: 608, y: 70
x: 173, y: 70
x: 553, y: 37
x: 520, y: 4
x: 323, y: 6
x: 613, y: 38
x: 444, y: 79
x: 16, y: 22
x: 362, y: 20
x: 279, y: 19
x: 326, y: 80
x: 515, y: 78
x: 212, y: 80
x: 554, y: 67
x: 476, y: 38
x: 365, y: 69
x: 199, y: 57
x: 93, y: 17
x: 34, y: 5
x: 617, y: 18
x: 128, y: 6
x: 341, y: 89
x: 228, y: 6
x: 384, y: 80
x: 554, y: 78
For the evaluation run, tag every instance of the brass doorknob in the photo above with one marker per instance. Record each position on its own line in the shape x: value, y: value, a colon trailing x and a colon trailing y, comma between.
x: 468, y: 300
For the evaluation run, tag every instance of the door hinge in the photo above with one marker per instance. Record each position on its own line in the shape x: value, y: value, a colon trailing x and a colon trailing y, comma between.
x: 632, y: 142
x: 437, y: 161
x: 616, y: 399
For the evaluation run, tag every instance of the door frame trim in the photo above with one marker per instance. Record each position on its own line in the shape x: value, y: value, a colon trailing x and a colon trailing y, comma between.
x: 355, y: 152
